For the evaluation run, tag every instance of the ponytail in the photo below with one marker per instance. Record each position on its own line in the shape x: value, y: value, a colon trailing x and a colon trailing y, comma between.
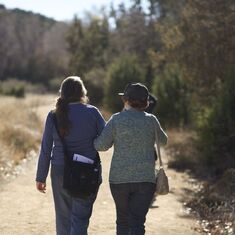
x: 62, y: 116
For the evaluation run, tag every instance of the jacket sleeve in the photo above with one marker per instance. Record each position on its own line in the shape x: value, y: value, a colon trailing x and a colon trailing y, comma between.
x: 100, y: 122
x: 45, y: 151
x: 105, y: 140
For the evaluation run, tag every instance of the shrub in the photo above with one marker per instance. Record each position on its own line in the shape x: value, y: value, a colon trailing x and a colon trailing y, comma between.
x: 124, y: 70
x: 216, y: 127
x: 94, y: 82
x: 13, y: 87
x: 20, y: 129
x: 54, y: 84
x: 172, y: 94
x: 182, y: 150
x: 20, y: 140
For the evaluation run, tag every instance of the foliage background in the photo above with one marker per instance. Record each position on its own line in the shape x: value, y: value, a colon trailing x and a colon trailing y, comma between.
x: 183, y: 51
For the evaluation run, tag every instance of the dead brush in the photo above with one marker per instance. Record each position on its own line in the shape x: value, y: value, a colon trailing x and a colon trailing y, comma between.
x: 19, y: 131
x: 215, y: 206
x: 20, y: 141
x: 214, y: 203
x: 181, y: 149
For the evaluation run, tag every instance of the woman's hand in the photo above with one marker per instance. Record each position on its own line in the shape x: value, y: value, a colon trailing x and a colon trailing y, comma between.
x: 41, y: 187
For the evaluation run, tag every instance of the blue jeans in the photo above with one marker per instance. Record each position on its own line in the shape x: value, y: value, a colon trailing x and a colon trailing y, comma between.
x: 132, y: 202
x: 72, y: 214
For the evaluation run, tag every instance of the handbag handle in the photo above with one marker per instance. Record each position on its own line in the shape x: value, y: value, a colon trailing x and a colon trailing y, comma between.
x: 158, y: 148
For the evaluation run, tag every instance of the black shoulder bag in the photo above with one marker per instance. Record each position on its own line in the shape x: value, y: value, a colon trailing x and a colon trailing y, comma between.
x: 80, y: 179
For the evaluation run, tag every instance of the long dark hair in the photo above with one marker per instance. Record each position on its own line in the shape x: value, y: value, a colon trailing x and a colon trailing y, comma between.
x: 72, y: 89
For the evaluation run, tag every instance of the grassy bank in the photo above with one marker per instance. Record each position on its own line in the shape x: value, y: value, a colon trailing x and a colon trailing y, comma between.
x: 213, y: 203
x: 20, y: 130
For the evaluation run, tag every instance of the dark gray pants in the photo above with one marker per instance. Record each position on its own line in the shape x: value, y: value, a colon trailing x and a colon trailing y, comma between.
x: 132, y: 202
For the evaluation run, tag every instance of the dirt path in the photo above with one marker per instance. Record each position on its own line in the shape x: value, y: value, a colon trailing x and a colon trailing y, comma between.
x: 24, y: 211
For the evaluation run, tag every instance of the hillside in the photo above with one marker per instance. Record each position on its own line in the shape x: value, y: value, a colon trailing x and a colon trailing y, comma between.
x: 29, y: 44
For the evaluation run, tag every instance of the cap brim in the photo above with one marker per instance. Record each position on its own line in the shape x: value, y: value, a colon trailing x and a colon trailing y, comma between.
x: 121, y: 94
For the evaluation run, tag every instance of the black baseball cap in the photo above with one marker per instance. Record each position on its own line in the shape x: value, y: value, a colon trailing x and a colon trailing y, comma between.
x: 135, y: 91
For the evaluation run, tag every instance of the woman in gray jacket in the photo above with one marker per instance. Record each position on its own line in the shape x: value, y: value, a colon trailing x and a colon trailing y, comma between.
x: 132, y: 173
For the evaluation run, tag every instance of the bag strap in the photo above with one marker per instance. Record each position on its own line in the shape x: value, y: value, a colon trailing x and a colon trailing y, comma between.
x: 57, y: 130
x: 158, y: 148
x: 60, y: 136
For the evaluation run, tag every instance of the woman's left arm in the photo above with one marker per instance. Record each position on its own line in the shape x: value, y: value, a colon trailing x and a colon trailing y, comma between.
x: 45, y: 152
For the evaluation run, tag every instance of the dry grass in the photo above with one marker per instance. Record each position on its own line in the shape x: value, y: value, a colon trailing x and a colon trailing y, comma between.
x: 215, y: 205
x: 214, y: 202
x: 181, y: 149
x: 20, y: 129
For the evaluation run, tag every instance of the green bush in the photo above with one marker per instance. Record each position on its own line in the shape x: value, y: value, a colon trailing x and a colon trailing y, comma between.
x: 171, y: 91
x: 54, y: 84
x: 216, y: 127
x: 13, y: 87
x: 124, y: 70
x: 94, y: 82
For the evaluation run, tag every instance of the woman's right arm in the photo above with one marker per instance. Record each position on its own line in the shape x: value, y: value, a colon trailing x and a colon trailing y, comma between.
x: 105, y: 140
x: 45, y: 152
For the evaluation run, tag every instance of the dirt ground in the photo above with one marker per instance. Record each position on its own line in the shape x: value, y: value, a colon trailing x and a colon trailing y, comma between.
x: 25, y: 211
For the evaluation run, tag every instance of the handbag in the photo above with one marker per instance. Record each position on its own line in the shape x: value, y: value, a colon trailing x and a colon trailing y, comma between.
x: 80, y: 179
x: 162, y: 185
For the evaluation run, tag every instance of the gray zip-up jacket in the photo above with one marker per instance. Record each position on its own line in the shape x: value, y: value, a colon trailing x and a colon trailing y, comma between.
x: 132, y: 133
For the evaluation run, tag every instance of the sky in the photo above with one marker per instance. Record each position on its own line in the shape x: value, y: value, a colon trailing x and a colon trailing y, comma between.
x: 60, y: 9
